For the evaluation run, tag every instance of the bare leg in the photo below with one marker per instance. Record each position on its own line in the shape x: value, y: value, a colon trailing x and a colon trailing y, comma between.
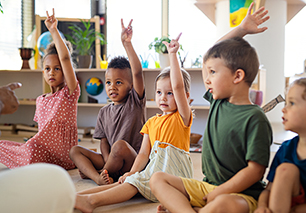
x: 98, y: 188
x: 117, y: 194
x: 89, y: 163
x: 170, y: 191
x: 121, y: 159
x: 281, y: 194
x: 226, y: 203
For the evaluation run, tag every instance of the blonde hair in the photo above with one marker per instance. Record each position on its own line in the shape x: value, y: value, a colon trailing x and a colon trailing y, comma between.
x: 300, y: 82
x: 165, y: 73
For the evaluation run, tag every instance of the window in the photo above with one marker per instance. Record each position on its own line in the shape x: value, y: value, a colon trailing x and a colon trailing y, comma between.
x: 198, y: 32
x: 10, y: 36
x: 146, y: 26
x: 295, y: 44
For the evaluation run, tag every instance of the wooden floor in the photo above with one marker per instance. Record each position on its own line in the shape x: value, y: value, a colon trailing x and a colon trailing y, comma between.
x: 139, y: 204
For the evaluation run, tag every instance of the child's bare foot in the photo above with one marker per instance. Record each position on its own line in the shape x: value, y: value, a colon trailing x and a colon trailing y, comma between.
x: 82, y: 203
x: 162, y: 209
x: 83, y: 176
x: 104, y: 178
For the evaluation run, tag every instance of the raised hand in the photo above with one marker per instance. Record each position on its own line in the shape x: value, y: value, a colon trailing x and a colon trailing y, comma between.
x: 127, y: 32
x: 251, y: 21
x: 51, y: 21
x: 173, y: 46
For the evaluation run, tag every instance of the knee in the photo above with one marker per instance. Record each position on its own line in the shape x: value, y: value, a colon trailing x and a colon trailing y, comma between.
x: 155, y: 179
x: 286, y: 170
x: 120, y: 148
x: 228, y: 203
x: 75, y: 150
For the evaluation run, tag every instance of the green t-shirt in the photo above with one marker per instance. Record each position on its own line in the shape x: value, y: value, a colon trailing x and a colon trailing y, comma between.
x: 234, y: 135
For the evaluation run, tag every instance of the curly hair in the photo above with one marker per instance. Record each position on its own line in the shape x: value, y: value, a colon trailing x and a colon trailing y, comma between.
x: 121, y: 63
x: 51, y: 50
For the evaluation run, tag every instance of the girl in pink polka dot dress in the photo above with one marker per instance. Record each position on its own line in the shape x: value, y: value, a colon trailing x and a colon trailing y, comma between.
x: 56, y: 112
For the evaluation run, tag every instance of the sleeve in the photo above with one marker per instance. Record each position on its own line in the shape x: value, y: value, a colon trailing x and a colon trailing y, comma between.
x: 74, y: 95
x: 99, y: 130
x: 145, y: 128
x: 140, y: 102
x: 259, y: 139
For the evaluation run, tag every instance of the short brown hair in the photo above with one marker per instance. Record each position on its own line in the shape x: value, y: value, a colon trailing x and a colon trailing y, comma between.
x: 237, y: 53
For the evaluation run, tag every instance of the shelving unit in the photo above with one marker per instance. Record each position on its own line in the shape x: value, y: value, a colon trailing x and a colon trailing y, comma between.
x: 33, y: 82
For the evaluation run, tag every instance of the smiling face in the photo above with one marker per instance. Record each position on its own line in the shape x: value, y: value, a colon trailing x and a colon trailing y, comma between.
x: 219, y: 78
x: 53, y: 73
x: 294, y: 113
x: 164, y: 97
x: 117, y: 84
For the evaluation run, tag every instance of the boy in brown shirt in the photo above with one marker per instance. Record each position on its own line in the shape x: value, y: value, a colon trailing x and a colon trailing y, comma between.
x: 119, y: 123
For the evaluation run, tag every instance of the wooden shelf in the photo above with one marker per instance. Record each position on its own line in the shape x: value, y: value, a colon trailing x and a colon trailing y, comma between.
x: 100, y: 70
x: 149, y: 105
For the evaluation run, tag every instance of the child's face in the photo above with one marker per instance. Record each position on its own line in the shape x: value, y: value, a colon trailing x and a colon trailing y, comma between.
x: 164, y: 97
x: 219, y: 78
x: 53, y: 73
x: 294, y: 113
x: 117, y: 84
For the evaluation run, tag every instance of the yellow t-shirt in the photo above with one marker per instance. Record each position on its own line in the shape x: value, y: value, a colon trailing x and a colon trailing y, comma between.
x: 168, y: 128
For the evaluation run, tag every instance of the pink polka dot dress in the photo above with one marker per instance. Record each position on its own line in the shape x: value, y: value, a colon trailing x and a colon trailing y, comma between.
x: 56, y: 116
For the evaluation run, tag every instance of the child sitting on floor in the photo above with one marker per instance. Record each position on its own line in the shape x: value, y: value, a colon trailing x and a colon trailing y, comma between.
x: 56, y: 112
x: 118, y: 123
x: 285, y: 191
x: 165, y: 145
x: 236, y: 143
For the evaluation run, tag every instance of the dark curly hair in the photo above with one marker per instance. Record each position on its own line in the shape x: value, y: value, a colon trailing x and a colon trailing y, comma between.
x: 120, y: 62
x: 51, y: 50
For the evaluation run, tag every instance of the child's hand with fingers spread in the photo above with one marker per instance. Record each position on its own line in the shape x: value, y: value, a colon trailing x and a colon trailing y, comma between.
x: 126, y: 33
x: 173, y: 46
x: 251, y: 22
x: 51, y: 21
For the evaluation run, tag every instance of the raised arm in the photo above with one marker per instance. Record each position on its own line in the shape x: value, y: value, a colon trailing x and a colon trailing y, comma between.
x: 177, y: 81
x: 126, y: 37
x: 62, y: 51
x: 250, y: 24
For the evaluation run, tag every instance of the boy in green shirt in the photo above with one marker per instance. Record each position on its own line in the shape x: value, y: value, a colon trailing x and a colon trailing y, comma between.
x: 236, y: 144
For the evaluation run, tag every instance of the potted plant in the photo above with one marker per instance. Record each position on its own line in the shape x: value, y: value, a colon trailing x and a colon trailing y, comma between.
x: 161, y: 49
x: 83, y: 40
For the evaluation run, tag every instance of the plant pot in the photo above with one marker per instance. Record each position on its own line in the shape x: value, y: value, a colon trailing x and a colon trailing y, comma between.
x: 164, y: 60
x: 84, y: 61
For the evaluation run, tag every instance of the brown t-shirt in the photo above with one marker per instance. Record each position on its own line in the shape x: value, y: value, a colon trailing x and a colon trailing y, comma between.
x: 123, y: 121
